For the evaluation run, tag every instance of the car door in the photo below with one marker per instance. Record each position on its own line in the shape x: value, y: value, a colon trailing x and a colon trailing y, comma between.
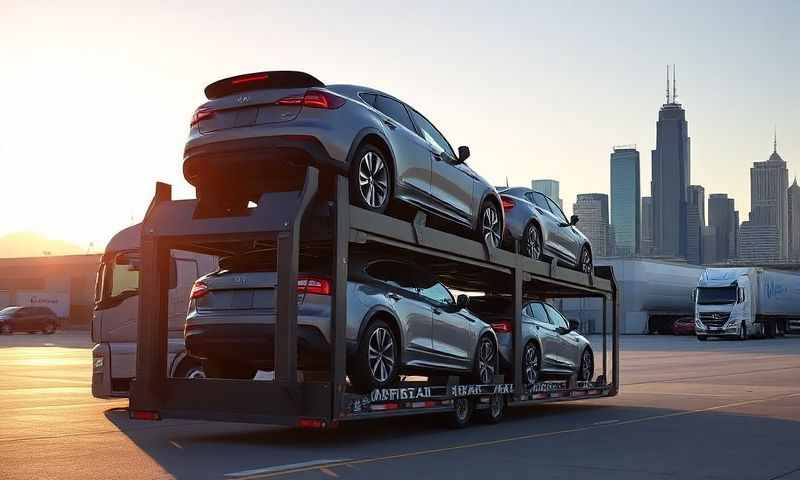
x: 565, y: 234
x: 412, y: 157
x: 551, y: 224
x: 24, y: 319
x: 399, y: 284
x: 548, y: 338
x: 452, y: 184
x: 567, y: 347
x: 453, y: 339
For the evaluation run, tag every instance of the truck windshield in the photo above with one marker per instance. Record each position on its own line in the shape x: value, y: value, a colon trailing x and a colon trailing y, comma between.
x: 118, y: 278
x: 716, y: 295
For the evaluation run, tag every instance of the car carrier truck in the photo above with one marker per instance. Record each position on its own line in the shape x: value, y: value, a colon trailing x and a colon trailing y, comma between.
x: 117, y: 308
x: 282, y: 223
x: 746, y: 302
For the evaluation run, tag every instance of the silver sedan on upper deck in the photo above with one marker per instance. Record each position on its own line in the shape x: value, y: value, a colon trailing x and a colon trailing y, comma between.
x: 543, y: 230
x: 258, y: 132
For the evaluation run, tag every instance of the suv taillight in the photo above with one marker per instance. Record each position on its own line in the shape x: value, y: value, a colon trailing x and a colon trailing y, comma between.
x: 199, y: 289
x: 313, y: 285
x: 508, y: 203
x: 314, y: 99
x: 200, y: 114
x: 503, y: 326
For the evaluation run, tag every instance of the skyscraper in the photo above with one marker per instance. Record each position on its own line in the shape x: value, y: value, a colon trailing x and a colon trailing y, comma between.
x: 550, y: 188
x: 592, y: 209
x: 646, y: 239
x: 758, y: 242
x: 769, y: 182
x: 695, y: 223
x: 671, y: 178
x: 722, y: 216
x: 625, y: 200
x: 793, y: 197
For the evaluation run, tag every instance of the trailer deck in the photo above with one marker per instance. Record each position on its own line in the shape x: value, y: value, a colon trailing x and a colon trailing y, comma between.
x: 463, y: 263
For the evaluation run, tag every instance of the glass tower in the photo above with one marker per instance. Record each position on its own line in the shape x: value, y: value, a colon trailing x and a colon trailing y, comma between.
x: 625, y: 200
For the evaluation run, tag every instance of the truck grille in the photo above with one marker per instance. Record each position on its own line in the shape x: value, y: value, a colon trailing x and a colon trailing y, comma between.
x: 714, y: 319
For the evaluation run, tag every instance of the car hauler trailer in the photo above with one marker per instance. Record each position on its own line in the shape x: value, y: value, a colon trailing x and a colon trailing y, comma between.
x: 293, y: 400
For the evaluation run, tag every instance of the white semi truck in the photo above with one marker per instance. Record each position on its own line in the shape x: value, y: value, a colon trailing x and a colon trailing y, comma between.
x: 114, y: 323
x: 746, y: 302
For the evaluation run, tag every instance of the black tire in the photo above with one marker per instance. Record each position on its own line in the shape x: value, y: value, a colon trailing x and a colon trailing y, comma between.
x: 462, y: 412
x: 371, y: 179
x: 6, y: 329
x: 485, y: 367
x: 531, y: 364
x: 532, y: 245
x: 742, y: 332
x: 586, y: 370
x: 490, y: 226
x: 585, y: 264
x: 49, y: 329
x: 497, y: 407
x: 702, y: 338
x: 379, y: 367
x: 190, y: 368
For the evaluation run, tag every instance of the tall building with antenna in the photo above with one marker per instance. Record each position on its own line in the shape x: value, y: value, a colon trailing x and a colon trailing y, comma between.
x: 769, y: 203
x: 670, y: 176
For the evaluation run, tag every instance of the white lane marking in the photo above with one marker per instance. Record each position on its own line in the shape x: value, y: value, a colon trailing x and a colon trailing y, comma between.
x: 281, y: 468
x: 680, y: 394
x: 605, y: 422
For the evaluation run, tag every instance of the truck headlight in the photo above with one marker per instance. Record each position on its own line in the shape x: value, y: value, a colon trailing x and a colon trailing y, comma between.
x: 698, y: 324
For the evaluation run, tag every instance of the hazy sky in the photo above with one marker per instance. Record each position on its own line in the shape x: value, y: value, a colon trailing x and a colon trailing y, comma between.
x: 96, y: 98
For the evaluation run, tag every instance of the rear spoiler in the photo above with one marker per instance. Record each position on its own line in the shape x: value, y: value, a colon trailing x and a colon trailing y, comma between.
x: 261, y: 81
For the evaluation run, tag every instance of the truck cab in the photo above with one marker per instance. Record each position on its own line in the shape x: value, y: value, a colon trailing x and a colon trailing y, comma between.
x: 725, y: 304
x: 114, y: 323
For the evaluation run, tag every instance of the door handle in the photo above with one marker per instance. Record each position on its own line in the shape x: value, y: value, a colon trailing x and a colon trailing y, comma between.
x: 436, y: 311
x: 393, y: 296
x: 390, y: 124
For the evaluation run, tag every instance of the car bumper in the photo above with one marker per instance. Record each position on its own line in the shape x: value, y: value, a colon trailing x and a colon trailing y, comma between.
x: 717, y: 331
x: 253, y: 344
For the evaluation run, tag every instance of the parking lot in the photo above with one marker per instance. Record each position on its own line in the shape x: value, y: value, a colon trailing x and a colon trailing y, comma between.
x: 720, y: 409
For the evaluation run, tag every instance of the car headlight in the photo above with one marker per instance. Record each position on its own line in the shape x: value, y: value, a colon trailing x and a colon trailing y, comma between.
x: 731, y: 323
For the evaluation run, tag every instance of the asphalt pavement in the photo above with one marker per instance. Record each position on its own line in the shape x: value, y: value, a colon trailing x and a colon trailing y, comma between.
x: 713, y: 410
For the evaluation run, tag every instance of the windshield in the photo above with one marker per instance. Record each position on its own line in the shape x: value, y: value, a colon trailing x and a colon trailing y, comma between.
x: 716, y: 295
x: 118, y: 277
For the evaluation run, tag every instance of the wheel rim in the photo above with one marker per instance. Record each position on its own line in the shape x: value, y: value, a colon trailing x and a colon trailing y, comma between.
x: 491, y: 226
x: 381, y: 354
x: 496, y: 406
x: 462, y: 408
x: 486, y: 366
x: 5, y: 329
x: 534, y: 245
x: 195, y: 373
x: 373, y: 180
x: 586, y: 372
x: 586, y: 261
x: 531, y: 365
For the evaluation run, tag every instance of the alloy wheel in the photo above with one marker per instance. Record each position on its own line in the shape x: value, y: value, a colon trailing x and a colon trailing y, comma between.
x: 586, y: 365
x: 5, y: 330
x: 531, y: 362
x: 486, y: 361
x: 373, y: 180
x: 381, y: 356
x: 534, y: 244
x: 491, y: 226
x: 586, y: 261
x: 195, y: 373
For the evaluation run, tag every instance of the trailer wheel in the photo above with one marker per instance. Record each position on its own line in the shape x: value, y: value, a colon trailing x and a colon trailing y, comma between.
x: 462, y: 413
x: 497, y: 407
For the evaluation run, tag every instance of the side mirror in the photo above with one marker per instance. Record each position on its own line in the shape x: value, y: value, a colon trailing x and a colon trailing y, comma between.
x: 573, y: 220
x: 463, y: 154
x: 462, y: 301
x: 574, y: 325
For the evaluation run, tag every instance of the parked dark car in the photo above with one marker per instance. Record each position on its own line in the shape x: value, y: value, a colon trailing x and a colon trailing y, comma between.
x: 551, y: 344
x: 543, y: 230
x: 258, y: 132
x: 27, y: 319
x: 683, y: 326
x: 400, y: 320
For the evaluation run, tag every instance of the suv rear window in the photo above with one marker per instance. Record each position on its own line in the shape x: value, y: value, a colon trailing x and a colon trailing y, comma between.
x: 394, y: 110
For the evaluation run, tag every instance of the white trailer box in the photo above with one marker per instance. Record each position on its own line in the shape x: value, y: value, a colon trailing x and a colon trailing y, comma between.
x: 57, y: 302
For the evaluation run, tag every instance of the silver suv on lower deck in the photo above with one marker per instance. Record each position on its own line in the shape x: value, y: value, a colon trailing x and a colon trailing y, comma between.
x: 400, y: 320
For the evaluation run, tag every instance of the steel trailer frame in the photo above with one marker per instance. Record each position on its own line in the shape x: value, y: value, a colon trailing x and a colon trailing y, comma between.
x: 286, y: 401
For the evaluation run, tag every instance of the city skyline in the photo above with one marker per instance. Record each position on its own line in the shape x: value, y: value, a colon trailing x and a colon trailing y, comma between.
x: 130, y: 97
